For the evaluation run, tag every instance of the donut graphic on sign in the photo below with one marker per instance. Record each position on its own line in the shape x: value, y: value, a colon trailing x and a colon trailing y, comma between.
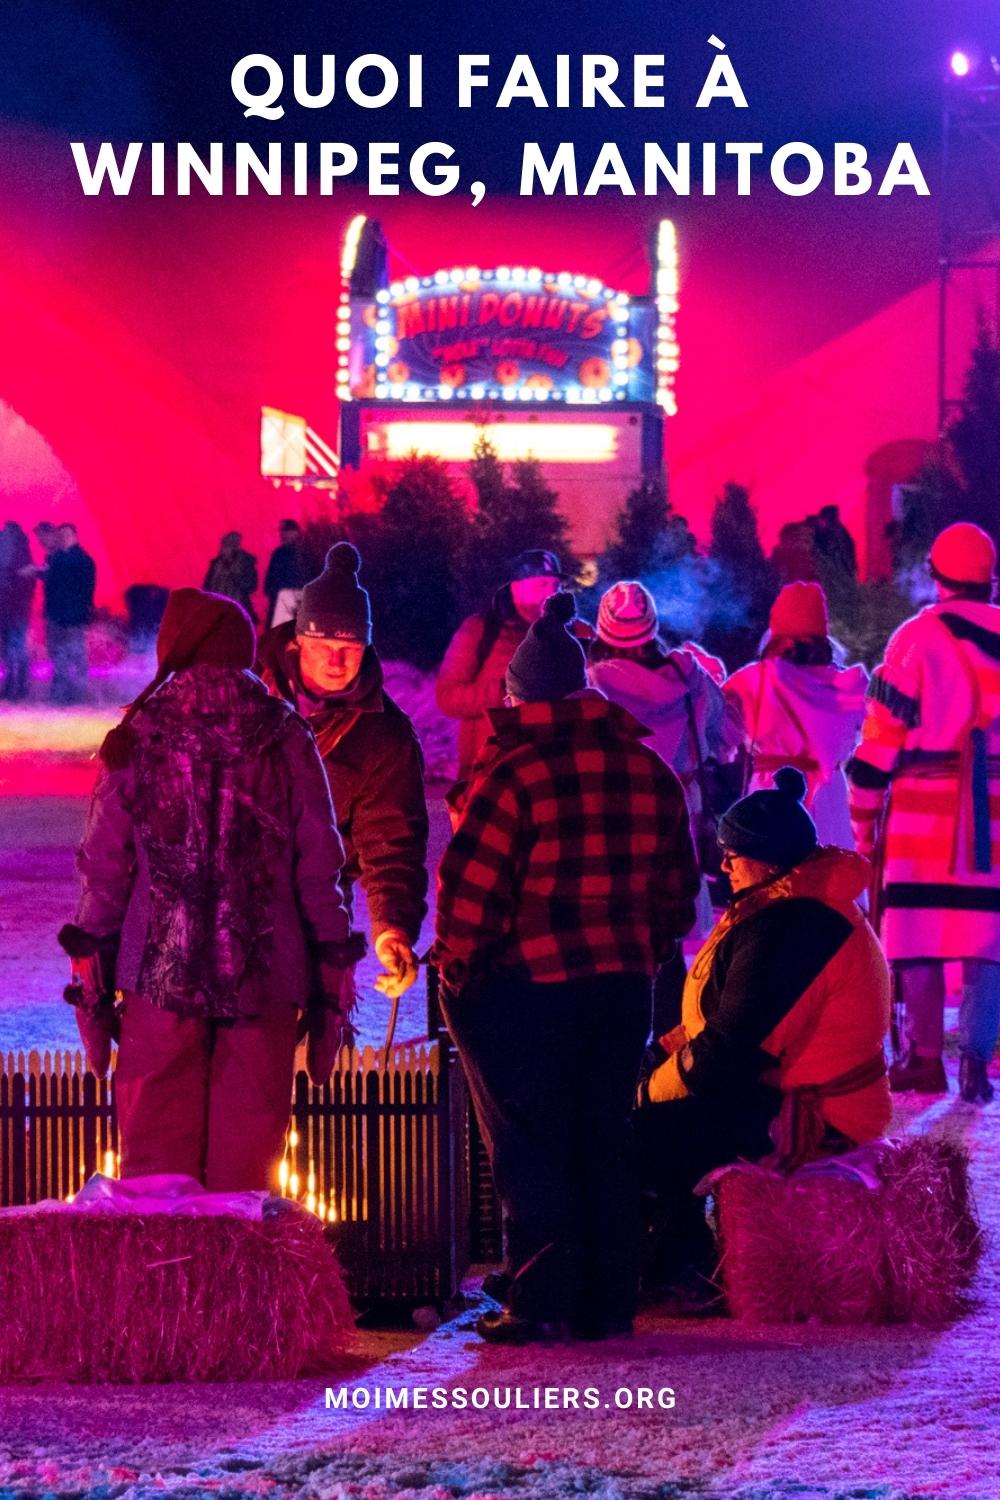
x: 508, y: 372
x: 398, y: 371
x: 538, y: 383
x: 452, y: 375
x: 594, y: 372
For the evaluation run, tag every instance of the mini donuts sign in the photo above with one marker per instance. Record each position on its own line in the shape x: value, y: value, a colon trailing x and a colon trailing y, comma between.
x: 499, y: 335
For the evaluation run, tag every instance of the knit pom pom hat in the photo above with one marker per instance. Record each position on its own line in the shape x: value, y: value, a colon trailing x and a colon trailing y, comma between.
x: 334, y: 606
x: 549, y: 662
x: 626, y: 615
x: 772, y: 826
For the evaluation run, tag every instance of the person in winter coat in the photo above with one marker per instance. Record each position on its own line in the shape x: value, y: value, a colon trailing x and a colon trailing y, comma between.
x: 324, y: 662
x: 691, y: 724
x: 471, y: 678
x: 570, y: 876
x: 800, y: 709
x: 785, y: 1014
x: 17, y: 584
x: 69, y: 578
x: 925, y: 786
x: 233, y: 572
x: 287, y: 573
x: 210, y: 861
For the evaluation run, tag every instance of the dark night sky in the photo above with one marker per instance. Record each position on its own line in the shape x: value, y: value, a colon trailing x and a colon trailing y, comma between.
x: 866, y: 70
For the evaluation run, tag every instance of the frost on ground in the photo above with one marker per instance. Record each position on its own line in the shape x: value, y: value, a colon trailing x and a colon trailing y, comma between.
x: 800, y: 1413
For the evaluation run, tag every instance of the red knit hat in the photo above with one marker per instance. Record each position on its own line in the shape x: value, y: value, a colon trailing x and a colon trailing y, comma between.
x: 626, y: 615
x: 963, y: 553
x: 799, y: 611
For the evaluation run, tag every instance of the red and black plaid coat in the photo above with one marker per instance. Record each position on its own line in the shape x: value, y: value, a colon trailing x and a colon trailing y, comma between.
x: 573, y: 853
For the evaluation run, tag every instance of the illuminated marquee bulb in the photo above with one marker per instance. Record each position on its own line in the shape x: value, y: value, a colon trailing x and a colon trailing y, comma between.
x: 283, y: 1175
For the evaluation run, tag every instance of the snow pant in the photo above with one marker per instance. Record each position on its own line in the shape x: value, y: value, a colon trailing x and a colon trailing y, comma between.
x: 678, y: 1142
x: 14, y: 654
x: 67, y: 647
x: 552, y: 1070
x: 922, y: 991
x: 210, y: 1099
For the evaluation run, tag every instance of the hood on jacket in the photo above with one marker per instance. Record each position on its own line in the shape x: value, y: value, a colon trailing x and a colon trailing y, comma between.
x: 215, y: 713
x: 837, y: 877
x: 551, y: 719
x: 651, y: 693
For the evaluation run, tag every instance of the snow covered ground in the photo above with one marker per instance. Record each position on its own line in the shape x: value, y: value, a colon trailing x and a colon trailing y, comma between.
x: 805, y: 1413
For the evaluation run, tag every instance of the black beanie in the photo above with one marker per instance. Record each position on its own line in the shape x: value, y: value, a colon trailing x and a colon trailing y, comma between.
x: 549, y: 662
x: 334, y: 605
x: 771, y: 826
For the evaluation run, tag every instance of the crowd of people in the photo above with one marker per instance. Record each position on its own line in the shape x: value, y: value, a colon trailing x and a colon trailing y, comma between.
x: 824, y: 841
x: 68, y: 575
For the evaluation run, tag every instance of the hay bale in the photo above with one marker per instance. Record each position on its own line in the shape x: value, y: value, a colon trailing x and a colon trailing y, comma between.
x: 134, y: 1298
x: 806, y: 1245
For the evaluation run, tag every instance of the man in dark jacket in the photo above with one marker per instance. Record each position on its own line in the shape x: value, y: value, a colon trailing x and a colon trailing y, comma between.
x: 570, y: 876
x: 287, y: 569
x: 69, y: 576
x: 325, y: 664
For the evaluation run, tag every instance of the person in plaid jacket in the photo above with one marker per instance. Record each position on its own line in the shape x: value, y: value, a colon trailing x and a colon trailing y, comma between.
x: 569, y: 877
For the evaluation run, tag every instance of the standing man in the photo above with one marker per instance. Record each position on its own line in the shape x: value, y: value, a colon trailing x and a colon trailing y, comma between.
x: 928, y: 771
x: 233, y: 572
x: 324, y: 663
x: 69, y: 576
x: 286, y: 573
x: 471, y: 679
x: 17, y: 585
x: 569, y: 877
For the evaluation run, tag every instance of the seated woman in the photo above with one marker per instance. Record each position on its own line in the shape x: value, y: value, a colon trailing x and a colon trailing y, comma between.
x: 785, y: 1013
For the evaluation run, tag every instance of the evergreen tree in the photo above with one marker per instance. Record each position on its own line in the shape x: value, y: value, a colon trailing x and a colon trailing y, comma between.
x: 650, y: 535
x: 974, y: 439
x: 745, y: 578
x: 512, y: 515
x: 413, y: 552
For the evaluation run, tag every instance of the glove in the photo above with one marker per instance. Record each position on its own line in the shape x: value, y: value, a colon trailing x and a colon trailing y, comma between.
x: 91, y: 991
x: 399, y: 960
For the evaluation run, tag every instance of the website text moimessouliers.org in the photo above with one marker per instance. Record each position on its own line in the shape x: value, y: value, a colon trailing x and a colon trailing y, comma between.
x: 500, y: 1398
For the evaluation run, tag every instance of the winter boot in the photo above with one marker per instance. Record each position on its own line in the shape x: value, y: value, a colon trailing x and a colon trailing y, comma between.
x: 918, y: 1075
x: 973, y: 1083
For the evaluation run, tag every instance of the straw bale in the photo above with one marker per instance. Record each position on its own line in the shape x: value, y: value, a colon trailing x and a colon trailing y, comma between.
x: 161, y: 1297
x: 802, y: 1246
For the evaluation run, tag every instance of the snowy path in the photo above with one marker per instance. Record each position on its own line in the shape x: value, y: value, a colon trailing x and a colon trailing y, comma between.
x: 803, y: 1412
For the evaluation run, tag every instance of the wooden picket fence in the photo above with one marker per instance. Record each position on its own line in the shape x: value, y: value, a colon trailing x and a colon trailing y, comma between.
x: 383, y: 1150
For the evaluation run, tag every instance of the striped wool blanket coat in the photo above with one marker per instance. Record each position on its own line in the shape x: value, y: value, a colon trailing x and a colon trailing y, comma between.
x: 929, y: 765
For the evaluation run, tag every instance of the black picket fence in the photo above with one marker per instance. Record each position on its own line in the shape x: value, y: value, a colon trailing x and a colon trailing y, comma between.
x: 386, y: 1151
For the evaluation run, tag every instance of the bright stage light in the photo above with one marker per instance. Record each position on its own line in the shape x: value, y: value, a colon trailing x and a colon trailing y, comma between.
x: 549, y: 442
x: 960, y: 64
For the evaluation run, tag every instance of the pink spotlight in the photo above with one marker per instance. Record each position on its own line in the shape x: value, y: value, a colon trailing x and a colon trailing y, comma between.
x: 961, y: 64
